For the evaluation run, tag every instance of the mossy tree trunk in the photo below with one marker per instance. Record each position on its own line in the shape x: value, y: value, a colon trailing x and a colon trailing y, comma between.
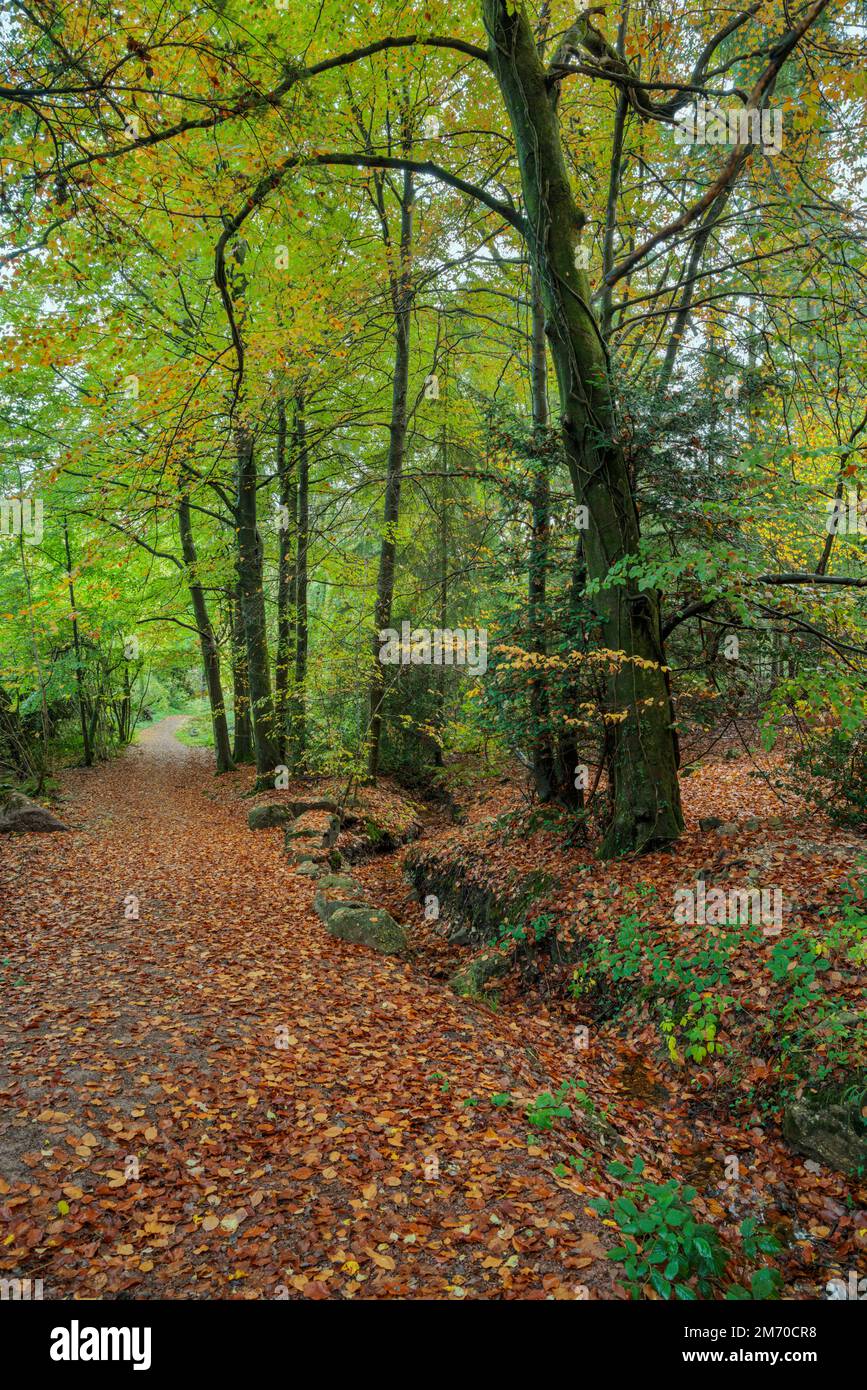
x: 642, y: 760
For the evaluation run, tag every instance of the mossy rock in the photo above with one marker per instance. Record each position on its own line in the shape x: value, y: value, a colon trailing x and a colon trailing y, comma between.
x: 313, y: 825
x: 266, y: 817
x: 340, y: 882
x: 20, y: 813
x: 309, y: 854
x: 366, y: 926
x: 471, y: 979
x: 336, y: 891
x: 326, y: 907
x: 828, y: 1126
x: 310, y: 870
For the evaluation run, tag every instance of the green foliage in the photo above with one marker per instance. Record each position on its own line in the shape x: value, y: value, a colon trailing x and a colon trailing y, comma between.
x: 687, y: 985
x: 523, y: 933
x: 666, y: 1246
x: 828, y: 716
x: 546, y: 1108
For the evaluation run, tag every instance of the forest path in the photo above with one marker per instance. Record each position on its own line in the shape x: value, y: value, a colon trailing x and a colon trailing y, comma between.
x: 206, y: 1095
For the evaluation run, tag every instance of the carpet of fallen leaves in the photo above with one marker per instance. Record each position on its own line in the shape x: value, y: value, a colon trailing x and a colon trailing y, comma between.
x: 206, y: 1096
x: 680, y: 1119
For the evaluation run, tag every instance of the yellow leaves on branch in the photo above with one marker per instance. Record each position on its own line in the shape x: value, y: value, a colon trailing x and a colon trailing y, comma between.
x: 520, y: 660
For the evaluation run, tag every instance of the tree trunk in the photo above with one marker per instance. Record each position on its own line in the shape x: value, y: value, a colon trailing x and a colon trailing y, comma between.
x: 207, y: 639
x: 567, y: 762
x: 299, y: 704
x: 76, y: 642
x: 251, y: 578
x: 402, y: 304
x: 443, y: 587
x: 242, y: 751
x: 285, y: 578
x: 642, y: 762
x: 541, y: 753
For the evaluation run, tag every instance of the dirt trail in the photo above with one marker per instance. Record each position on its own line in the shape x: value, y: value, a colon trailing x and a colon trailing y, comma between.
x: 205, y: 1095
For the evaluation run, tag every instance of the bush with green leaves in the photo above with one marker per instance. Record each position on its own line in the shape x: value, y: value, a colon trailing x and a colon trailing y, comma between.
x: 685, y: 986
x: 523, y: 933
x: 546, y: 1108
x: 826, y: 717
x: 665, y: 1246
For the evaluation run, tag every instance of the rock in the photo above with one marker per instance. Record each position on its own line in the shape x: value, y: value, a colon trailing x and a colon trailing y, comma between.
x: 709, y: 823
x: 828, y: 1126
x: 340, y: 882
x: 325, y: 907
x: 309, y: 870
x: 461, y: 936
x: 20, y: 813
x: 299, y: 808
x: 335, y: 859
x: 368, y: 927
x: 472, y: 977
x: 266, y: 817
x: 335, y: 891
x: 321, y: 825
x: 728, y: 828
x: 279, y: 812
x: 309, y: 855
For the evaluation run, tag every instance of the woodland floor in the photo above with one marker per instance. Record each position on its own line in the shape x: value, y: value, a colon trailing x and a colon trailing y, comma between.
x: 269, y: 1171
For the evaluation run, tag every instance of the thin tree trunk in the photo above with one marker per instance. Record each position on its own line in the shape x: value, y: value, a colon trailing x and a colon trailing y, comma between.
x: 642, y: 760
x: 615, y: 175
x: 250, y: 568
x: 443, y: 579
x: 299, y: 710
x: 285, y: 579
x: 542, y: 755
x: 207, y: 639
x: 76, y: 642
x: 242, y: 750
x: 569, y: 788
x: 402, y: 304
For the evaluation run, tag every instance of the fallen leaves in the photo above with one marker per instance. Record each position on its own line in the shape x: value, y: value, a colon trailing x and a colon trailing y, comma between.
x: 165, y: 1143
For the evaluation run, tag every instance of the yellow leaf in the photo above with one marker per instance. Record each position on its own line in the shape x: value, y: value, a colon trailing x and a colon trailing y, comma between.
x: 382, y: 1261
